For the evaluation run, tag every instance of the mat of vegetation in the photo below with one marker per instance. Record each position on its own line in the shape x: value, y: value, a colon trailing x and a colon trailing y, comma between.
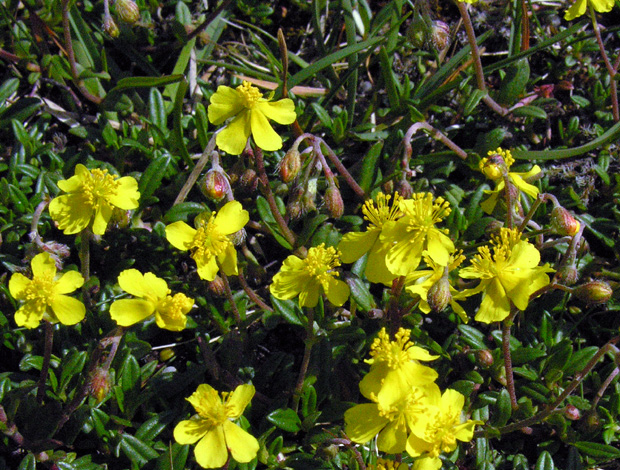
x: 309, y: 235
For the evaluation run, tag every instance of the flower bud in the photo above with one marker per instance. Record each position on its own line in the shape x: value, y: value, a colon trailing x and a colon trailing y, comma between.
x: 416, y: 33
x: 166, y: 354
x: 572, y: 412
x: 127, y: 11
x: 485, y: 358
x: 333, y: 201
x: 110, y: 27
x: 249, y: 180
x: 563, y: 223
x: 593, y: 292
x: 215, y: 185
x: 216, y: 287
x: 404, y: 188
x: 290, y: 165
x: 439, y: 296
x: 440, y: 35
x: 567, y: 275
x: 100, y: 384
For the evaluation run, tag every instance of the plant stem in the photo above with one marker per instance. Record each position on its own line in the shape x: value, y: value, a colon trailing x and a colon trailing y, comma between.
x: 85, y: 236
x: 510, y: 382
x: 613, y: 85
x: 357, y: 189
x: 607, y: 383
x: 49, y: 343
x: 251, y: 294
x: 435, y: 134
x: 229, y: 296
x: 305, y: 362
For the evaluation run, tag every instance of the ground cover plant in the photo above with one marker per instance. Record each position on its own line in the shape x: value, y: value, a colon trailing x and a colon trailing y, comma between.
x: 309, y: 235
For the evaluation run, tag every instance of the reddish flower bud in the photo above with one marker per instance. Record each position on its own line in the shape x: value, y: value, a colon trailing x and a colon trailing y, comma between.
x: 485, y: 358
x: 333, y: 201
x: 563, y: 223
x: 439, y: 296
x: 290, y: 165
x: 110, y: 27
x: 567, y: 275
x: 215, y: 185
x: 572, y: 412
x: 593, y: 292
x: 440, y: 35
x: 216, y: 287
x: 100, y: 384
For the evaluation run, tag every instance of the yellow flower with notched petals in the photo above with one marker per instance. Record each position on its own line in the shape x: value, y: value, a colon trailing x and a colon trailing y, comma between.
x: 251, y: 116
x: 310, y: 277
x: 213, y: 429
x: 92, y: 196
x: 510, y: 273
x: 44, y: 295
x: 579, y: 8
x: 210, y: 243
x: 153, y: 298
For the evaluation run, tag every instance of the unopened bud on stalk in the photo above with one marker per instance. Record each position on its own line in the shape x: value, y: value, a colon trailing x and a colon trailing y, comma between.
x: 485, y: 358
x: 249, y: 180
x: 127, y: 11
x: 290, y: 165
x: 333, y: 201
x: 439, y: 296
x: 215, y: 185
x: 563, y: 223
x: 572, y: 412
x: 111, y: 28
x: 593, y: 292
x: 567, y: 275
x: 404, y: 188
x: 216, y: 287
x: 100, y: 384
x: 440, y: 35
x: 416, y: 32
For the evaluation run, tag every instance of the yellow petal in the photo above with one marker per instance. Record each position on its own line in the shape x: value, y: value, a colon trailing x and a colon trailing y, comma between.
x: 281, y: 111
x: 231, y: 218
x: 239, y: 399
x: 228, y: 261
x: 363, y: 422
x: 603, y: 6
x: 577, y: 9
x: 177, y: 323
x: 211, y: 451
x: 135, y: 283
x: 68, y: 310
x: 30, y: 314
x: 427, y: 463
x: 376, y: 270
x: 75, y: 182
x: 17, y: 284
x: 393, y: 439
x: 225, y: 103
x: 71, y: 213
x: 263, y: 134
x: 337, y: 291
x: 495, y: 305
x: 69, y: 282
x: 207, y: 267
x: 180, y: 235
x: 242, y: 445
x: 102, y: 217
x: 127, y: 312
x: 234, y: 136
x: 126, y: 196
x: 355, y: 244
x: 189, y: 431
x: 43, y: 266
x: 309, y: 295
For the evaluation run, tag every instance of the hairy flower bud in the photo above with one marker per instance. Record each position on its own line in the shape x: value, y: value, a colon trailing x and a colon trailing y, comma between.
x: 111, y: 28
x: 417, y: 32
x: 593, y: 292
x: 567, y: 275
x: 127, y: 11
x: 439, y: 295
x: 485, y: 358
x: 333, y: 201
x: 215, y: 185
x: 216, y: 287
x: 440, y: 35
x: 100, y: 384
x: 404, y: 188
x: 563, y: 223
x: 290, y: 165
x: 572, y: 412
x: 249, y: 180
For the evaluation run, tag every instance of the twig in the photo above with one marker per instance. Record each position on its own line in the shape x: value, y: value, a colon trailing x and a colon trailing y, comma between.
x: 305, y: 362
x: 195, y: 174
x: 251, y: 294
x: 607, y: 383
x: 229, y: 295
x: 435, y: 134
x: 208, y: 20
x: 612, y: 70
x: 49, y: 343
x: 510, y: 381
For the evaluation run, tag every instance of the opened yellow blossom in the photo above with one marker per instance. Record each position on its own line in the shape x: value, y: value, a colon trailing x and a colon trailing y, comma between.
x: 508, y: 273
x: 498, y: 164
x: 395, y: 367
x: 251, y: 116
x: 92, y: 196
x: 444, y: 427
x: 311, y: 277
x: 44, y: 295
x: 579, y: 8
x: 415, y: 232
x: 213, y: 429
x: 153, y: 298
x: 355, y: 244
x: 211, y: 244
x: 387, y: 464
x: 421, y: 282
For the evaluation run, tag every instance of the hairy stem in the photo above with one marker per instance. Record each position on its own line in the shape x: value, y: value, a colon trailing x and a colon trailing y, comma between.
x: 510, y: 381
x: 305, y: 362
x: 610, y: 68
x: 47, y: 354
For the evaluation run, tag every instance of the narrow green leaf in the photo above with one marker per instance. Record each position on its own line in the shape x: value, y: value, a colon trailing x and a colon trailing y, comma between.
x: 183, y: 211
x: 470, y: 335
x: 530, y: 111
x: 152, y: 176
x: 267, y: 217
x: 544, y: 462
x: 598, y: 450
x: 174, y: 458
x: 579, y: 359
x: 285, y: 419
x: 177, y: 115
x: 130, y: 373
x: 360, y: 293
x: 503, y: 409
x: 369, y: 167
x: 157, y: 110
x: 472, y: 101
x: 136, y: 450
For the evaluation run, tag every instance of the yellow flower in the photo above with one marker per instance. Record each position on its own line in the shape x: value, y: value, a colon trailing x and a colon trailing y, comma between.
x: 44, y: 295
x: 415, y: 232
x: 310, y: 277
x: 91, y: 197
x: 251, y: 116
x: 422, y: 281
x: 212, y: 426
x: 392, y: 422
x: 387, y: 464
x: 355, y: 244
x: 495, y: 167
x: 443, y: 428
x: 510, y: 273
x: 210, y: 244
x: 154, y: 298
x: 579, y: 8
x: 395, y: 368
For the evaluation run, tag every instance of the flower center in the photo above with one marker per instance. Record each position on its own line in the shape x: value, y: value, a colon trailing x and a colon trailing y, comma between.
x: 209, y: 241
x: 383, y: 211
x: 212, y: 410
x: 394, y: 353
x: 249, y: 94
x: 40, y: 289
x: 440, y: 432
x: 321, y: 261
x: 99, y: 185
x: 174, y: 307
x: 424, y: 213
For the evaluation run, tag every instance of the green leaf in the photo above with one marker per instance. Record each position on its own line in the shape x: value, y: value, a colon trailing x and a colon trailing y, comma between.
x: 597, y: 450
x: 177, y: 124
x: 174, y: 458
x: 514, y: 82
x: 472, y: 101
x: 288, y: 309
x: 579, y: 359
x: 72, y: 364
x: 530, y: 111
x: 544, y: 462
x: 28, y: 463
x: 286, y: 419
x: 369, y: 167
x: 470, y: 335
x: 151, y: 428
x: 503, y: 409
x: 525, y: 355
x: 136, y: 450
x: 152, y: 176
x: 183, y: 211
x: 360, y: 293
x: 267, y: 217
x: 130, y: 373
x: 157, y: 110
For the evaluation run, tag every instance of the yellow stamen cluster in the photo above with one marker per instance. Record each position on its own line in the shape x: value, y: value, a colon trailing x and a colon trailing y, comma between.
x: 321, y: 262
x: 99, y: 186
x: 393, y: 353
x: 383, y: 211
x: 174, y: 307
x: 424, y: 213
x: 209, y: 241
x: 249, y: 94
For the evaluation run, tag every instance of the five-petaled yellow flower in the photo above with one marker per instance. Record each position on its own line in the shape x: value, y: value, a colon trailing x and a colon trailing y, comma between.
x: 44, y: 295
x: 251, y: 116
x: 210, y: 243
x: 154, y: 298
x: 509, y: 273
x: 92, y: 196
x: 496, y: 167
x: 310, y: 277
x: 213, y: 429
x: 579, y: 8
